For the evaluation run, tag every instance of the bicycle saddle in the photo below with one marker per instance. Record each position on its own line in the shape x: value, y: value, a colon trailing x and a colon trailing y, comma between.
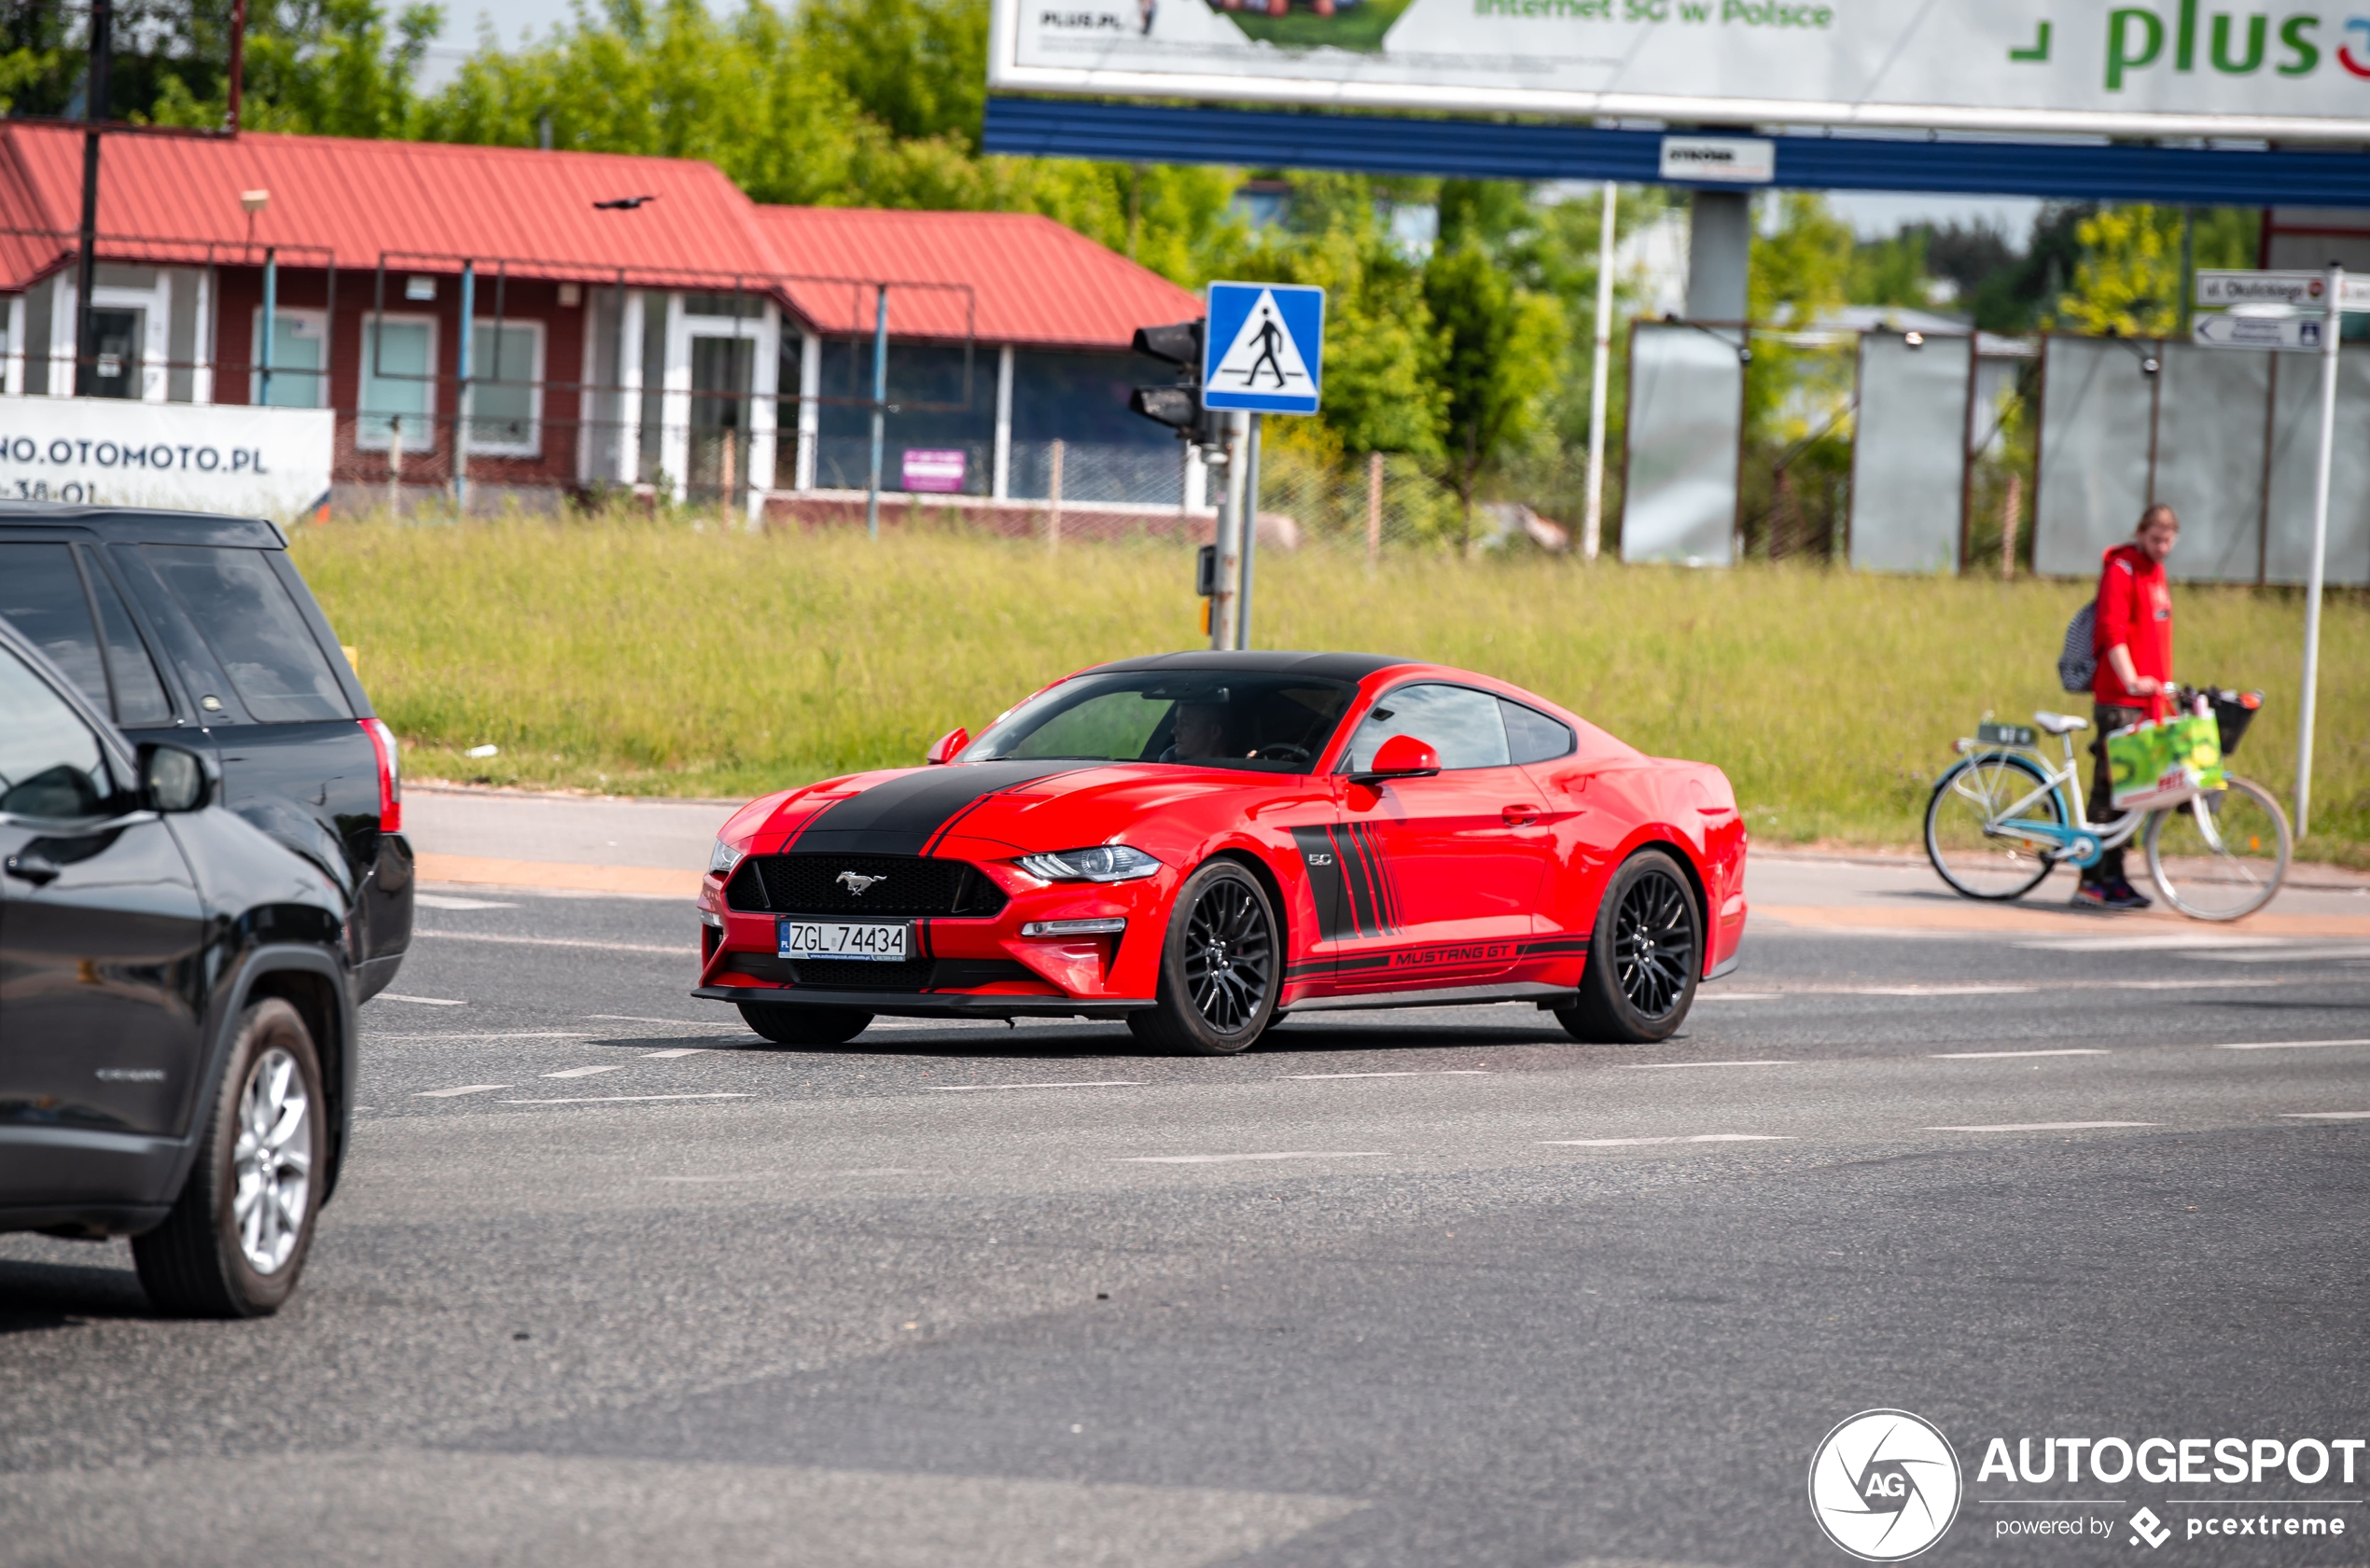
x: 2060, y: 723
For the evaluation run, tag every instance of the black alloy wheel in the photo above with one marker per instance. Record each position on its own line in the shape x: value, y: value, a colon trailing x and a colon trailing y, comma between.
x: 1644, y: 959
x: 1221, y: 967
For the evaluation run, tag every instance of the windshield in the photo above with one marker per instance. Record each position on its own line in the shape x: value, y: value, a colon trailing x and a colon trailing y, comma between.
x: 1229, y: 719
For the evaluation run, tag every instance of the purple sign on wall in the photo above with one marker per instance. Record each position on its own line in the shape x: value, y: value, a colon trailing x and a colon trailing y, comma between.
x: 939, y: 472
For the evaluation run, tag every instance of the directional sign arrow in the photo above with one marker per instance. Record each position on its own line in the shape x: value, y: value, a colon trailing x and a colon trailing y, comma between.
x: 2292, y: 334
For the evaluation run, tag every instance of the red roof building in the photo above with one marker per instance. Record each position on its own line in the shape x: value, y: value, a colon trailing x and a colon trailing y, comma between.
x: 635, y: 321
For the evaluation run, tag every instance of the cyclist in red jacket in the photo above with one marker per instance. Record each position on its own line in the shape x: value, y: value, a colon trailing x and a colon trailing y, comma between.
x: 2133, y: 641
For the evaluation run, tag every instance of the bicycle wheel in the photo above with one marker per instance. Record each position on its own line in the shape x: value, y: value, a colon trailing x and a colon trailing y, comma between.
x: 1963, y: 818
x: 2222, y: 855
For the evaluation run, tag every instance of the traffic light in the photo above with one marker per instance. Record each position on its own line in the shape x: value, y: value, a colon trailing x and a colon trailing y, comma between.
x: 1179, y: 406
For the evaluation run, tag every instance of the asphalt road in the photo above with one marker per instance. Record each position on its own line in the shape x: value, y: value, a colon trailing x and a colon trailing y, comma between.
x: 610, y: 1281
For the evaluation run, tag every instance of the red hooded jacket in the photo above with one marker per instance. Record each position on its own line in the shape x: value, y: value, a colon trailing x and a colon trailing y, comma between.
x: 2135, y: 611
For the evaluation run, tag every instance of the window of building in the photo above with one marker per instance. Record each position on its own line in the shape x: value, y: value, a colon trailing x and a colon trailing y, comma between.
x: 506, y: 388
x: 940, y: 408
x: 398, y: 382
x: 300, y: 358
x: 1110, y: 453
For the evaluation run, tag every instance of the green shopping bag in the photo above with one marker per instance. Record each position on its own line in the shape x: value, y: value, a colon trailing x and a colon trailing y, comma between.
x: 2153, y: 764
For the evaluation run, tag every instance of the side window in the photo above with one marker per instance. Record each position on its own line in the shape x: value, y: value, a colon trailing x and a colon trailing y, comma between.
x: 50, y: 765
x: 139, y: 691
x: 255, y: 630
x: 41, y: 596
x: 1532, y: 736
x: 1460, y: 724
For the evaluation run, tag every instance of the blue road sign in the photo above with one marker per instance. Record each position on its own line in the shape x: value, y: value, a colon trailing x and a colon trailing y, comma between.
x: 1264, y: 348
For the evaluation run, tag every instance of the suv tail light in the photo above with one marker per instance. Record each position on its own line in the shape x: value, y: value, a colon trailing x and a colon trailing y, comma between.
x: 390, y: 775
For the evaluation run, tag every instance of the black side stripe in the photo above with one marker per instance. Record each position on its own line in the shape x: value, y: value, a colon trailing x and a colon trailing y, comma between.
x: 906, y: 814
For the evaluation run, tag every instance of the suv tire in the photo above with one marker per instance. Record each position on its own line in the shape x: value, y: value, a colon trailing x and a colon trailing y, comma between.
x: 790, y: 1025
x: 1644, y: 957
x: 1222, y: 967
x: 238, y: 1235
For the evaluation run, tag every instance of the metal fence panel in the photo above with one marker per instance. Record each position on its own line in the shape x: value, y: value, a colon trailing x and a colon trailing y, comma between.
x: 2096, y: 406
x: 1686, y: 427
x: 2209, y: 428
x: 1909, y: 457
x: 2295, y: 451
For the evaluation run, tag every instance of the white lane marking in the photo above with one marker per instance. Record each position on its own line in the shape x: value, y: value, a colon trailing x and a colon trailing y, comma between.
x: 446, y: 901
x: 1073, y: 1083
x: 2289, y: 1044
x: 2326, y: 1115
x: 587, y: 1071
x: 671, y: 1055
x: 1412, y: 1072
x: 1738, y: 995
x: 487, y: 1035
x: 1697, y: 1138
x: 621, y: 1099
x: 1941, y: 990
x: 678, y: 1023
x: 1651, y: 1066
x: 464, y: 1089
x: 1996, y: 1056
x: 419, y: 1001
x: 688, y: 952
x: 2168, y: 942
x: 2339, y: 950
x: 1229, y: 1159
x: 2036, y: 1126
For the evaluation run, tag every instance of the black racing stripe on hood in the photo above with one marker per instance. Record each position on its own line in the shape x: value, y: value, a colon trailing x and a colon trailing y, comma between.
x: 902, y: 815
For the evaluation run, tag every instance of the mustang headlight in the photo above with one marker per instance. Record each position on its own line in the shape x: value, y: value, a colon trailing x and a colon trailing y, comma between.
x: 721, y: 859
x: 1103, y: 863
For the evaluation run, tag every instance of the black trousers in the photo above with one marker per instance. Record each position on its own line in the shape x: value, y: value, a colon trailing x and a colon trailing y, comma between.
x: 2101, y: 808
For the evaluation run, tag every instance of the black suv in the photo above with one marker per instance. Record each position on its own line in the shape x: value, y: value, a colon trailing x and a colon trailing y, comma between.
x: 196, y: 629
x: 176, y: 1007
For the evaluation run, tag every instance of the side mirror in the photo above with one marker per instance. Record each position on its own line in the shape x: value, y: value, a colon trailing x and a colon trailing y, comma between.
x: 1401, y: 756
x: 947, y: 746
x: 175, y: 779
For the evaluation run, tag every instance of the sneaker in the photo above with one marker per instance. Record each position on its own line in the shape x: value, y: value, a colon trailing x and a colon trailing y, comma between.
x: 2109, y: 896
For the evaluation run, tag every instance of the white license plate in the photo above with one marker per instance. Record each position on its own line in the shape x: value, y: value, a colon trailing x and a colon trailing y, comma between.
x: 868, y: 941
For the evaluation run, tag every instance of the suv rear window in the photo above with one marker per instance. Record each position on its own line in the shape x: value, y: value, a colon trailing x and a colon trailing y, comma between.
x: 43, y: 595
x: 256, y: 630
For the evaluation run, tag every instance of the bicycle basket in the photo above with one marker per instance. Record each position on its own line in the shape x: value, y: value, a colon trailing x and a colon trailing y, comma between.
x: 2233, y: 711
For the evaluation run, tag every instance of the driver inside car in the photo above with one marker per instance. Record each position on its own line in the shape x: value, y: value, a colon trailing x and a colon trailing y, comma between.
x: 1200, y: 732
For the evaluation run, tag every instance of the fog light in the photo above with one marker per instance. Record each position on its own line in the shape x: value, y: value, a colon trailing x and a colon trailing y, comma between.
x: 1108, y: 926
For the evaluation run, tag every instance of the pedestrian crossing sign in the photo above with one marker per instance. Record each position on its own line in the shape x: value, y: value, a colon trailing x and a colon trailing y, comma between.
x: 1264, y: 348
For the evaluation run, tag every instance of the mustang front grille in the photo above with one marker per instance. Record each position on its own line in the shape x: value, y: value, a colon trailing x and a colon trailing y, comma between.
x: 856, y: 885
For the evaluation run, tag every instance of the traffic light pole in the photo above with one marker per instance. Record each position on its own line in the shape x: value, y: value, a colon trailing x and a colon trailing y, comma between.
x: 1224, y: 626
x: 2319, y: 570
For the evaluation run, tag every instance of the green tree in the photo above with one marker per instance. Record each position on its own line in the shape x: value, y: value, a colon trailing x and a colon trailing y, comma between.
x: 1498, y: 352
x: 326, y: 67
x: 2129, y: 281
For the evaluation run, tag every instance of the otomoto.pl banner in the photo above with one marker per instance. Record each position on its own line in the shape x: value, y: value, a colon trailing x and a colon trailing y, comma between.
x: 256, y: 462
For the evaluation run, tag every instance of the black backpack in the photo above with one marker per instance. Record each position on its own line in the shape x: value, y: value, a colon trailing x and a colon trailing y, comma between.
x: 2078, y: 661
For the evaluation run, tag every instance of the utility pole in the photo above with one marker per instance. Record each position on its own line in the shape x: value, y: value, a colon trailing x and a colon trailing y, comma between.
x: 2330, y: 331
x: 880, y: 406
x: 96, y: 95
x: 1249, y: 532
x: 1591, y: 533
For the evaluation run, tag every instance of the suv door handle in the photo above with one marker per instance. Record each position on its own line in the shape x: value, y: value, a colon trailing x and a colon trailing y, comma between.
x: 1519, y: 816
x: 32, y: 866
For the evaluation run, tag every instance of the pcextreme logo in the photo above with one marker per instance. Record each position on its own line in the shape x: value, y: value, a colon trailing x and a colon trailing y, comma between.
x: 1885, y: 1485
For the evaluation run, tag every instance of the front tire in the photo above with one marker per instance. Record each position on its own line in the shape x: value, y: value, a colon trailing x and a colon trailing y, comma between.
x: 787, y: 1024
x: 1222, y: 967
x: 1644, y: 957
x: 238, y: 1235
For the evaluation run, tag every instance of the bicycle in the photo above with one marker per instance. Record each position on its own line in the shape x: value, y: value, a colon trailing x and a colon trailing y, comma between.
x: 2004, y: 817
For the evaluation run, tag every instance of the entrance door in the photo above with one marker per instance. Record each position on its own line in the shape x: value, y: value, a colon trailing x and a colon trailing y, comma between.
x: 118, y: 337
x: 1451, y: 866
x: 720, y: 415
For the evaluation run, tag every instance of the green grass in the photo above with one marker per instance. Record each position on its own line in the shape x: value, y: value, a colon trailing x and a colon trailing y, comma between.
x: 650, y: 659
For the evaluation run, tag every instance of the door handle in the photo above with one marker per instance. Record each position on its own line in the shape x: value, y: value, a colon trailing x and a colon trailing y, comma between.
x: 1519, y: 816
x: 34, y: 867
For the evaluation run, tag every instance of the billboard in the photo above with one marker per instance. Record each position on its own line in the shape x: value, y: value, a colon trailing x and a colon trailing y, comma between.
x: 256, y: 461
x: 2170, y: 68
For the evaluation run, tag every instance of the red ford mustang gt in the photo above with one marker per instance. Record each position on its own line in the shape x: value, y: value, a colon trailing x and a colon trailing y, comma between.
x: 1200, y: 842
